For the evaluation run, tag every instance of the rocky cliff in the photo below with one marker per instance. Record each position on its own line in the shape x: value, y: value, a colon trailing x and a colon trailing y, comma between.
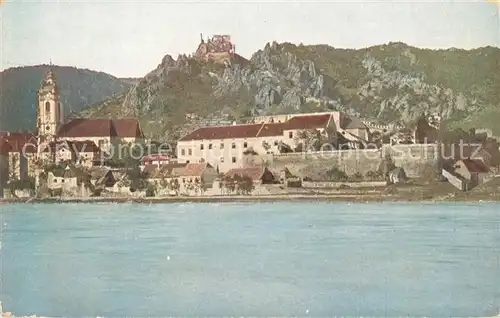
x: 388, y: 83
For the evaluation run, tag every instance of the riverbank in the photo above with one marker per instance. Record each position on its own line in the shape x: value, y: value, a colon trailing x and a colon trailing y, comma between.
x: 353, y: 198
x: 424, y: 193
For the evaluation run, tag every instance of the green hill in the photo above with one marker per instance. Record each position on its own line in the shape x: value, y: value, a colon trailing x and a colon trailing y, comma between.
x: 80, y: 88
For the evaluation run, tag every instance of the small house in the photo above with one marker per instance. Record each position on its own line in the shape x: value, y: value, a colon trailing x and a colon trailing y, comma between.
x: 185, y: 178
x: 84, y: 153
x: 69, y: 179
x: 102, y: 177
x: 475, y: 171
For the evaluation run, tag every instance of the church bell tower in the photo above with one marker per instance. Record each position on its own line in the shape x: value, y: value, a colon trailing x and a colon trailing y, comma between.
x: 50, y: 116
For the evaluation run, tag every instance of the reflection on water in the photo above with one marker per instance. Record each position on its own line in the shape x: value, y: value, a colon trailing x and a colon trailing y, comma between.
x: 251, y: 260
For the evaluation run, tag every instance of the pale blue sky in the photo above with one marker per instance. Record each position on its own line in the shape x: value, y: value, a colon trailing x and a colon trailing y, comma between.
x: 129, y: 38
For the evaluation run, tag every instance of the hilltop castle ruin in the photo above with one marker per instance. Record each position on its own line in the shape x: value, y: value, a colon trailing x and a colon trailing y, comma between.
x: 218, y: 49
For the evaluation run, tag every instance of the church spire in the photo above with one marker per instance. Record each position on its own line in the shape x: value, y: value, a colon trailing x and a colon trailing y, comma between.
x: 50, y: 116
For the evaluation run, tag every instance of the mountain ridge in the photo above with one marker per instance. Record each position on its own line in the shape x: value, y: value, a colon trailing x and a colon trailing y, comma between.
x: 392, y: 82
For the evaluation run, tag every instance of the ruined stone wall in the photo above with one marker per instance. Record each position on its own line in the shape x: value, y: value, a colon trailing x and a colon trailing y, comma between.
x: 414, y: 159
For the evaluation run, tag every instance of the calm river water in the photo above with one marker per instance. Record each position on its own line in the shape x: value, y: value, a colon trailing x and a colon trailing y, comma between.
x: 283, y: 259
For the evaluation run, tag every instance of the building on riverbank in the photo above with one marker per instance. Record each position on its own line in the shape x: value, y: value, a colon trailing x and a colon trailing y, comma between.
x: 225, y: 146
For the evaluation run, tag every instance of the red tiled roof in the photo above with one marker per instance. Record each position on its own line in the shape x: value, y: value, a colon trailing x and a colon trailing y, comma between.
x: 259, y: 130
x: 307, y: 122
x: 86, y: 128
x: 475, y: 165
x: 20, y: 142
x: 269, y: 130
x: 101, y: 128
x: 127, y: 127
x: 195, y: 169
x: 156, y: 157
x: 223, y: 132
x: 165, y: 170
x: 255, y: 173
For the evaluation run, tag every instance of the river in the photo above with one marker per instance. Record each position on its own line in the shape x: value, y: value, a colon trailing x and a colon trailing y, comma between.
x: 250, y: 259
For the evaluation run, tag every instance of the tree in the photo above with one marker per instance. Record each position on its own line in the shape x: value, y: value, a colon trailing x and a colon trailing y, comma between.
x: 137, y: 179
x: 335, y: 174
x: 237, y: 183
x: 387, y: 165
x: 175, y: 186
x: 357, y: 177
x: 266, y: 146
x: 228, y: 183
x: 246, y: 184
x: 309, y: 140
x: 374, y: 175
x: 284, y: 148
x: 125, y: 155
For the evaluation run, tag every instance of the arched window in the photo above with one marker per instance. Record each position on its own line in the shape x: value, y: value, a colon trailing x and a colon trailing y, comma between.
x: 47, y: 107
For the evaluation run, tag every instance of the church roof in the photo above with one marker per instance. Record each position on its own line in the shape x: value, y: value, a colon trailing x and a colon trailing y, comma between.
x: 122, y: 128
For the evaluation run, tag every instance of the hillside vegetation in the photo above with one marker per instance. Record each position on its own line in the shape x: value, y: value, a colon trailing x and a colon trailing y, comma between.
x: 386, y: 83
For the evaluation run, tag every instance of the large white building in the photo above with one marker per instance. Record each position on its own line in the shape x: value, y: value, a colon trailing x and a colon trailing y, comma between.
x: 224, y: 146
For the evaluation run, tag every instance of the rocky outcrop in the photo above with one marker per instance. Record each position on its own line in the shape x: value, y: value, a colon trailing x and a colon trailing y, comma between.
x: 390, y: 83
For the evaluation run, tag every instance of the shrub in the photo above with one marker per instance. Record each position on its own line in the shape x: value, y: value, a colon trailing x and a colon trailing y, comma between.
x: 374, y: 175
x: 357, y: 177
x: 335, y: 174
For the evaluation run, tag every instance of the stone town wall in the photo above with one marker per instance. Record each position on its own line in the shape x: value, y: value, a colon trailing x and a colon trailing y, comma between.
x: 414, y: 159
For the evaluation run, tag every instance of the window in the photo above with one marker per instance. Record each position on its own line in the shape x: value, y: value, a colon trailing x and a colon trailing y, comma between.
x: 276, y: 143
x: 290, y: 134
x: 183, y: 180
x: 234, y: 159
x: 221, y: 159
x: 222, y: 146
x: 201, y: 147
x: 187, y: 161
x: 47, y: 107
x: 209, y: 146
x: 190, y: 152
x: 62, y: 180
x: 233, y: 145
x: 183, y: 152
x: 245, y: 144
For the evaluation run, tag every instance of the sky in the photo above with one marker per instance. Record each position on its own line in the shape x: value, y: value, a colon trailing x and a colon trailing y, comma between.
x: 129, y: 38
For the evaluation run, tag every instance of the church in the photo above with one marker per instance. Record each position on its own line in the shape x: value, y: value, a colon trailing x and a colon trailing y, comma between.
x: 79, y: 141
